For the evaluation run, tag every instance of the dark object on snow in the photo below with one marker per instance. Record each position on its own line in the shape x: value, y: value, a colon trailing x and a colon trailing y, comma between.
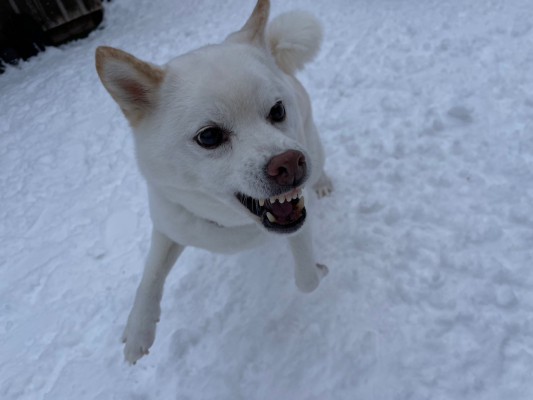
x: 27, y: 26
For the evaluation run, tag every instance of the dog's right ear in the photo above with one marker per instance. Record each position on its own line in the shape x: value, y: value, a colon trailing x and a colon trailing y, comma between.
x: 131, y: 82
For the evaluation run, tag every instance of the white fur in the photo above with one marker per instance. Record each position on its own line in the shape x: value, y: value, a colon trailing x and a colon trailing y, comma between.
x: 192, y: 189
x: 294, y: 39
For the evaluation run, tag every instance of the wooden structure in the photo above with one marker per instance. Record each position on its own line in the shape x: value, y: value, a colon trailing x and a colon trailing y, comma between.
x: 61, y: 20
x: 26, y: 26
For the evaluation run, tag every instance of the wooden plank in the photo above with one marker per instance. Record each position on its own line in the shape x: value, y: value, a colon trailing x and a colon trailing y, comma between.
x: 54, y: 13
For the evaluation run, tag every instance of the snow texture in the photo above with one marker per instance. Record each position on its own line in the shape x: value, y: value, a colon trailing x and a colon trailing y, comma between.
x: 426, y: 113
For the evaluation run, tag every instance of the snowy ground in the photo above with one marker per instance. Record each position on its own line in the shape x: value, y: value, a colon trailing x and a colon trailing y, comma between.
x: 426, y: 112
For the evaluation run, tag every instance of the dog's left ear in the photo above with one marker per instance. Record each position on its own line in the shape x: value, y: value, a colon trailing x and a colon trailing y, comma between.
x: 134, y: 84
x: 253, y: 31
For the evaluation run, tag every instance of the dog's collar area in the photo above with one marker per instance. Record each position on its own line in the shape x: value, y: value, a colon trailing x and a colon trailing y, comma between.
x: 284, y: 213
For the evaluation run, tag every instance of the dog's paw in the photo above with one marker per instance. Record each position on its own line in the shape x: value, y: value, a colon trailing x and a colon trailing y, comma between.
x: 308, y: 282
x: 322, y: 270
x: 137, y: 339
x: 323, y: 187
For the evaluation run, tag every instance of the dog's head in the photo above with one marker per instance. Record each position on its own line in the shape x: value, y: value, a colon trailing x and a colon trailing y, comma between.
x: 225, y: 123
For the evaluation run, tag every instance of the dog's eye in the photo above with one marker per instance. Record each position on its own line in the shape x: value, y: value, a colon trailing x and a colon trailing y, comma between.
x: 211, y: 138
x: 277, y: 112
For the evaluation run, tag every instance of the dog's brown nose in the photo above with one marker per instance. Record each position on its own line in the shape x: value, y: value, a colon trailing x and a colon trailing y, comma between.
x: 288, y: 168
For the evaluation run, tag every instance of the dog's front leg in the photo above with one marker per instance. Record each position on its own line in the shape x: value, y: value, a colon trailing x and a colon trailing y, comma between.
x: 139, y: 334
x: 307, y: 272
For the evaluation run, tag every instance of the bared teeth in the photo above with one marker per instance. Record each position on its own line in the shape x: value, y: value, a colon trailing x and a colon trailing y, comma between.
x: 282, y: 198
x: 270, y: 217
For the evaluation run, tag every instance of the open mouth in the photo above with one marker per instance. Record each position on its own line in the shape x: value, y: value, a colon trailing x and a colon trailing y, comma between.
x: 282, y: 214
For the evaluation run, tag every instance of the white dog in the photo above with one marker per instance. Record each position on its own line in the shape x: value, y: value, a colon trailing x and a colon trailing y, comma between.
x: 225, y: 139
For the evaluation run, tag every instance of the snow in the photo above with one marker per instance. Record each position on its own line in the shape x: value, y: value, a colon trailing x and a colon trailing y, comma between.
x: 426, y: 113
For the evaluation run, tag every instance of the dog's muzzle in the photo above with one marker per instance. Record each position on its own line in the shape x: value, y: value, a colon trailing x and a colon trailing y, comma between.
x: 284, y: 213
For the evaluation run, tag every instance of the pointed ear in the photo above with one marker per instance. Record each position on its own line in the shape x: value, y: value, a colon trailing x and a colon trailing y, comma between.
x: 131, y: 82
x: 253, y: 31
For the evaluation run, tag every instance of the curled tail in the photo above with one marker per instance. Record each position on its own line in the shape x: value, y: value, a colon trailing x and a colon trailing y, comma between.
x: 294, y: 39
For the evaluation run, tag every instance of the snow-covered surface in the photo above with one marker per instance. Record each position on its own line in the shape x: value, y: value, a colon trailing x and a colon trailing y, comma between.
x: 426, y: 112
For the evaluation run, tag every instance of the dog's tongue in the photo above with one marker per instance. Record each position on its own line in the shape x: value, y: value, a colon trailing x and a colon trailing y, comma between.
x: 282, y: 210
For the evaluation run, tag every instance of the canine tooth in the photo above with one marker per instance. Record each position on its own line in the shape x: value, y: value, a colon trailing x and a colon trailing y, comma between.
x: 270, y: 217
x: 301, y: 203
x: 272, y: 199
x: 281, y: 199
x: 261, y: 202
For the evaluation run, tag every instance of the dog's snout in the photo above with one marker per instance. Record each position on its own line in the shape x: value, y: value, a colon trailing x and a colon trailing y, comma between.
x: 288, y: 168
